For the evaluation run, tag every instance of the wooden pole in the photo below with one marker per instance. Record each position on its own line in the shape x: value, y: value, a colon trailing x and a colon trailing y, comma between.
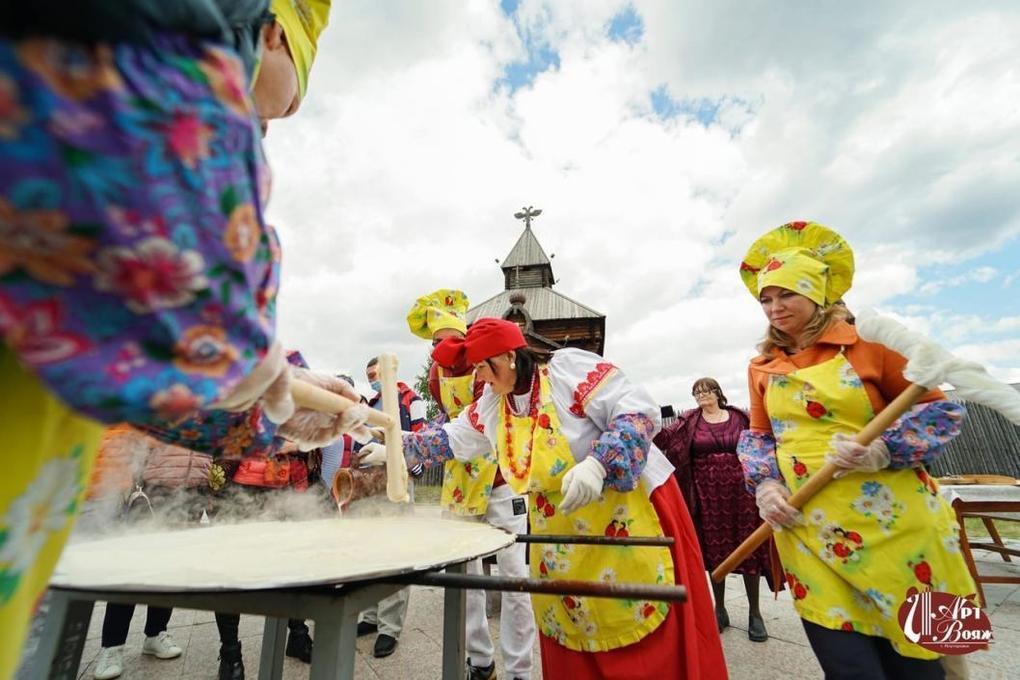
x: 879, y: 424
x: 306, y: 395
x: 396, y: 466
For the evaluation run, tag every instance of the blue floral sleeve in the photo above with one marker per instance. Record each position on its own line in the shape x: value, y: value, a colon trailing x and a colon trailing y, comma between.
x: 757, y: 454
x: 221, y: 434
x: 623, y: 449
x: 921, y: 434
x: 427, y: 447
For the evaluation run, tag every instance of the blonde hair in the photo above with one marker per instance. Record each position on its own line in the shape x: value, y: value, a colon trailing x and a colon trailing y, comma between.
x: 819, y: 322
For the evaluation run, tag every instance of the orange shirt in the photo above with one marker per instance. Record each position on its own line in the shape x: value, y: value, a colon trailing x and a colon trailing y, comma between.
x: 878, y: 367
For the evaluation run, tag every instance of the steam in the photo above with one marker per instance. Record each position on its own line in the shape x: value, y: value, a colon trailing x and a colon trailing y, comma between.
x: 163, y: 509
x: 160, y: 509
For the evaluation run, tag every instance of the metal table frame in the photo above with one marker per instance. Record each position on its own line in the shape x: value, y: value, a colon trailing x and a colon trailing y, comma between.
x: 334, y: 609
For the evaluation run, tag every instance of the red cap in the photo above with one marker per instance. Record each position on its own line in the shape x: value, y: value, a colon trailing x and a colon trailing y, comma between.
x: 485, y: 338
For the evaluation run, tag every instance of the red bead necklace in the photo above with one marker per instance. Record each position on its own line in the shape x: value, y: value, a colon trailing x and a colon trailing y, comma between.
x: 520, y: 469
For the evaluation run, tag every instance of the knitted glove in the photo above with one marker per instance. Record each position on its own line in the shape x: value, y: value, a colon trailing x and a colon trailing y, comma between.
x: 854, y: 457
x: 582, y: 484
x: 771, y: 496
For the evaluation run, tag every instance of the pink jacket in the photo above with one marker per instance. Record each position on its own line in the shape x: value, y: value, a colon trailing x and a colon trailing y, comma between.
x: 172, y: 467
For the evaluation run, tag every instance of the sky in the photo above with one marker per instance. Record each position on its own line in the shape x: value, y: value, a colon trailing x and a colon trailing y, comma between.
x: 659, y: 139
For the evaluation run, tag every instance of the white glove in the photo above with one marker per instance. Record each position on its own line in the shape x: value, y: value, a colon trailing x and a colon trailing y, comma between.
x: 371, y: 455
x: 582, y: 484
x: 362, y: 434
x: 771, y: 496
x: 276, y: 402
x: 271, y: 374
x: 853, y: 457
x: 311, y: 429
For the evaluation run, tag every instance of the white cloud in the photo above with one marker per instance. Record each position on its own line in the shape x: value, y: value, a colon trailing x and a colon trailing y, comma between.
x: 895, y: 124
x: 979, y: 275
x: 998, y: 357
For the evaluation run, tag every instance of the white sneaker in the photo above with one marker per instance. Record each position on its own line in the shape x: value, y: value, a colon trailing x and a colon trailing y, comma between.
x: 110, y: 663
x: 161, y: 646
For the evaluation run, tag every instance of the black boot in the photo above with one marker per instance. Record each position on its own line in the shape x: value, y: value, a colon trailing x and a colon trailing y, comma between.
x: 299, y: 645
x: 481, y: 672
x: 231, y: 665
x: 384, y: 645
x: 722, y: 619
x: 756, y: 631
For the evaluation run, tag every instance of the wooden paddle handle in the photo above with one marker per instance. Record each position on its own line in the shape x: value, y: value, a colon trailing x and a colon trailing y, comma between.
x: 306, y: 395
x: 879, y: 424
x: 396, y: 465
x: 316, y: 398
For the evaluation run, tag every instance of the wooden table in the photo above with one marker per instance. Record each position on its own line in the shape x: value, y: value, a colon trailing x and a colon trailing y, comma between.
x: 989, y: 503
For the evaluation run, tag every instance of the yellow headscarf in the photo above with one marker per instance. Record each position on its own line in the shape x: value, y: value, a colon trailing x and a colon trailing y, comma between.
x: 302, y: 22
x: 444, y: 308
x: 805, y: 257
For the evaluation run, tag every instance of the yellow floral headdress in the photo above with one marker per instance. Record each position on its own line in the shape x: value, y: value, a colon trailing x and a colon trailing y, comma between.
x: 302, y: 22
x: 444, y: 308
x: 805, y: 257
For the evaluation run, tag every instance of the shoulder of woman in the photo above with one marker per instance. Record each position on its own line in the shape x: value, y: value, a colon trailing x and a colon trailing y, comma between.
x: 840, y: 333
x: 739, y: 412
x: 573, y: 359
x: 575, y: 369
x: 863, y: 346
x: 874, y: 353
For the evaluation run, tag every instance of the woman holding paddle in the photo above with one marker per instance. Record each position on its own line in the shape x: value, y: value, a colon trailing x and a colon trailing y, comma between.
x: 878, y: 531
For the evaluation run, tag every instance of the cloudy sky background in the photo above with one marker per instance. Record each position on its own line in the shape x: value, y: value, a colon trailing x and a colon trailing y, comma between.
x: 659, y: 139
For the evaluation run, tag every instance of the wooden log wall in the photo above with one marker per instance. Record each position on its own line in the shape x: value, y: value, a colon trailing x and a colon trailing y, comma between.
x: 988, y: 445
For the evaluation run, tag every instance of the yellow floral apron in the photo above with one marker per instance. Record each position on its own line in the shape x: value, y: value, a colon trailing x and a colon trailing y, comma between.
x: 48, y: 454
x: 534, y: 456
x: 869, y: 536
x: 467, y: 486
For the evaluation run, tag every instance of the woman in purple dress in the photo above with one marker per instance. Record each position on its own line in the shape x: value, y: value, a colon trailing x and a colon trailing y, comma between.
x: 702, y: 446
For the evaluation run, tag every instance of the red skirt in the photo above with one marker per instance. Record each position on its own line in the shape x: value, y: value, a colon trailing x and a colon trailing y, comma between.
x: 685, y: 647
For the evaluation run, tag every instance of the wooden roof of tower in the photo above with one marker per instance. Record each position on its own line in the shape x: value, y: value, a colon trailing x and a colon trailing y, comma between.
x: 549, y: 319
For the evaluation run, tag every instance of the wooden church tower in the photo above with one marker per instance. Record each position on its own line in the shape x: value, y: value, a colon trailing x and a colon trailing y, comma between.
x: 549, y: 319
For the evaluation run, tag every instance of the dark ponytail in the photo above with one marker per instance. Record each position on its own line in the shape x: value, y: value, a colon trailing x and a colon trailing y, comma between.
x: 528, y: 360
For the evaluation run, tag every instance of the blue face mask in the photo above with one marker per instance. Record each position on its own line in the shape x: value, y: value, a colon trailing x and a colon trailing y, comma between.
x: 376, y: 385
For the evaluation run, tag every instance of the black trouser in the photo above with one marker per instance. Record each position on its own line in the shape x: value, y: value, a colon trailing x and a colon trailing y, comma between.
x: 227, y: 625
x: 846, y: 655
x: 118, y: 620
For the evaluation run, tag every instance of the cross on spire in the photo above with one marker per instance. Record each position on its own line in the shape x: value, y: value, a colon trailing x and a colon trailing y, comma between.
x: 527, y: 214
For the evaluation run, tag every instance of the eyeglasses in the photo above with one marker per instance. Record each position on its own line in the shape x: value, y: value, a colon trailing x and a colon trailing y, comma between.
x: 699, y: 393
